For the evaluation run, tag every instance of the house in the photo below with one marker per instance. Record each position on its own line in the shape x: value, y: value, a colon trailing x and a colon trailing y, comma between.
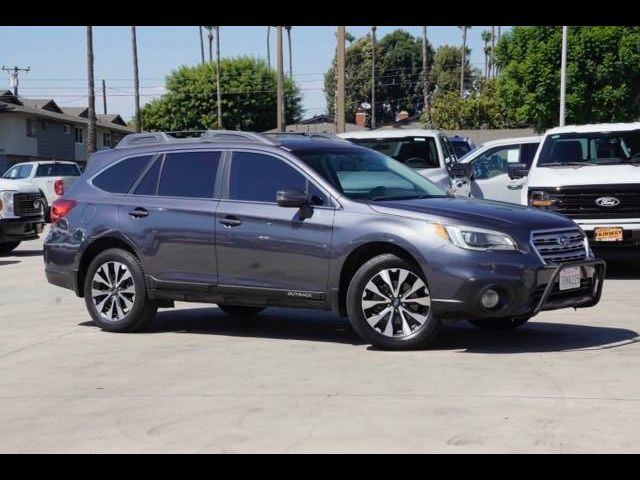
x: 39, y: 129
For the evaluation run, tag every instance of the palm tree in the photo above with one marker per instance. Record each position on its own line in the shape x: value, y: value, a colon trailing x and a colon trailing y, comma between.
x: 201, y: 45
x: 425, y: 77
x: 210, y: 36
x: 269, y: 46
x: 290, y: 55
x: 91, y: 128
x: 373, y: 77
x: 218, y: 77
x: 136, y: 79
x: 463, y: 59
x: 493, y: 47
x: 486, y: 38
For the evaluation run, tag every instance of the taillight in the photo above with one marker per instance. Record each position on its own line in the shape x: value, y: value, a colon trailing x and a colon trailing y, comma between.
x: 60, y: 208
x: 58, y: 187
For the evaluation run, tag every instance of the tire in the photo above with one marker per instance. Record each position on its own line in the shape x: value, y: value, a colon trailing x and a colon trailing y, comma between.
x: 133, y: 310
x: 412, y: 325
x: 8, y: 247
x: 507, y: 323
x: 239, y: 310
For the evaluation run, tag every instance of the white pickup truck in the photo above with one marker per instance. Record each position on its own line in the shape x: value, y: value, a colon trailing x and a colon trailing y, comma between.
x: 591, y: 173
x: 21, y: 213
x: 51, y: 178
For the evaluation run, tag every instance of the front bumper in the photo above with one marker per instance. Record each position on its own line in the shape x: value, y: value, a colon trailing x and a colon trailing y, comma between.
x: 20, y: 229
x: 524, y: 293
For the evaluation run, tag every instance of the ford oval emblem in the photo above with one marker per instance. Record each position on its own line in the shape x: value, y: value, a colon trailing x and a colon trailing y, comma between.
x: 607, y: 202
x: 563, y: 240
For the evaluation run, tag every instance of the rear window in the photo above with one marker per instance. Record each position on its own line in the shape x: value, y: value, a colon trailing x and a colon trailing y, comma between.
x: 120, y: 177
x: 58, y: 170
x: 189, y: 174
x: 414, y: 152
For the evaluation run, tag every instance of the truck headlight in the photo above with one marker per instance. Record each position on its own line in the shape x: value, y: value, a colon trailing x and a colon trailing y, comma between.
x: 471, y: 238
x: 541, y: 199
x: 6, y: 203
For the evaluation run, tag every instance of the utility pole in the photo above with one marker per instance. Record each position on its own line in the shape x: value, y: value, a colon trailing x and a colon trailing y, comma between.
x: 341, y: 80
x: 280, y: 80
x: 218, y: 77
x: 13, y: 76
x: 373, y: 78
x: 201, y: 45
x: 104, y: 97
x: 492, y: 66
x: 91, y: 127
x: 425, y: 77
x: 563, y: 75
x: 136, y: 79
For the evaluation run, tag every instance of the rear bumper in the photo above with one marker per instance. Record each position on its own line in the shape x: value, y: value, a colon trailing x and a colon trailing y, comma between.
x: 21, y: 229
x: 523, y: 295
x: 65, y: 279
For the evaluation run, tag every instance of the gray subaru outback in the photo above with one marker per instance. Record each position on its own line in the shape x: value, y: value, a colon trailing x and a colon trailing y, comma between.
x: 248, y: 222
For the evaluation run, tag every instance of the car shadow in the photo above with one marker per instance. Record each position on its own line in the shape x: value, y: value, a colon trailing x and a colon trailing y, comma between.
x: 26, y: 253
x: 623, y: 270
x: 321, y: 326
x: 9, y: 262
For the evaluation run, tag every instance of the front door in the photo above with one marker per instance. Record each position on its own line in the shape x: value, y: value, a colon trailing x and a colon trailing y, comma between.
x: 269, y: 249
x: 490, y: 175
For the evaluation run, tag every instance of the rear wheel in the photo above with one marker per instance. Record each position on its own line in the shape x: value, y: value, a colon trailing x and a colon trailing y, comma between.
x: 239, y: 310
x: 500, y: 323
x: 7, y: 247
x: 389, y: 304
x: 115, y: 292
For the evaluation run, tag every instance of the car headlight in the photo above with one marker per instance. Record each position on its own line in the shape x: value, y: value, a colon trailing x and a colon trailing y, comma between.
x: 6, y: 203
x: 471, y: 238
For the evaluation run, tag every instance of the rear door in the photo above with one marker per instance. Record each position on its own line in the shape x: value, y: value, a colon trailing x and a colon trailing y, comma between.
x: 169, y: 213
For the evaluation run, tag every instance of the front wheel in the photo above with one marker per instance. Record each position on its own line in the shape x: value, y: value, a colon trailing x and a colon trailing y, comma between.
x: 239, y: 310
x: 389, y: 304
x: 8, y: 247
x: 115, y: 292
x: 506, y: 323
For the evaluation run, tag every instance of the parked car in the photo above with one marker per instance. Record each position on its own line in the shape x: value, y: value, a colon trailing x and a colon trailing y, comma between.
x: 429, y: 152
x: 591, y: 173
x: 21, y: 213
x: 51, y: 178
x: 312, y: 223
x: 461, y: 145
x: 489, y: 170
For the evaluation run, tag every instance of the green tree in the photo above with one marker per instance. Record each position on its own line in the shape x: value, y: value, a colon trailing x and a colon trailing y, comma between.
x: 445, y: 72
x: 603, y: 74
x: 248, y: 98
x: 399, y: 80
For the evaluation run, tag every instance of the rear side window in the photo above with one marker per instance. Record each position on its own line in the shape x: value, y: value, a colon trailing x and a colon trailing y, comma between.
x: 58, y: 170
x: 149, y: 183
x: 121, y: 176
x: 256, y: 177
x: 189, y: 174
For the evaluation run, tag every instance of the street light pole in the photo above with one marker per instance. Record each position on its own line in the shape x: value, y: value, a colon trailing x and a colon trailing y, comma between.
x: 280, y: 83
x: 373, y: 78
x: 563, y: 75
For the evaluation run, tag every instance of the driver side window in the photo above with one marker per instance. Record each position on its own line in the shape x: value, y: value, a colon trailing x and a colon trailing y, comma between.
x: 495, y: 161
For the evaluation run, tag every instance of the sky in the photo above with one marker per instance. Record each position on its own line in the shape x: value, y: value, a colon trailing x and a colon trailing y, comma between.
x: 57, y: 57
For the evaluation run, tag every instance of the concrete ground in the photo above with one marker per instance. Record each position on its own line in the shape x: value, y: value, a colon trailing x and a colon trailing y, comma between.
x: 301, y: 381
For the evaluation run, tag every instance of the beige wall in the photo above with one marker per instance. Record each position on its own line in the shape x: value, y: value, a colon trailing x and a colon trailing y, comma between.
x: 13, y: 136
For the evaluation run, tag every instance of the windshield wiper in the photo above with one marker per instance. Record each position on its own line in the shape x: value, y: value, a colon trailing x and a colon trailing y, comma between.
x: 404, y: 197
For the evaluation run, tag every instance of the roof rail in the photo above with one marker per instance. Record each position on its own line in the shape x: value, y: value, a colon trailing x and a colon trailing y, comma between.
x: 231, y: 135
x: 154, y: 138
x: 309, y: 135
x: 149, y: 138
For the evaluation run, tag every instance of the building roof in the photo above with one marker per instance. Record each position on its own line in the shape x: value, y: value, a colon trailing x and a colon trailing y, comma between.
x: 47, y: 108
x: 595, y: 127
x: 76, y: 111
x: 111, y: 118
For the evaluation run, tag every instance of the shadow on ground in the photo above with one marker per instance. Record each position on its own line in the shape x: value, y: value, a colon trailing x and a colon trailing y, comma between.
x: 9, y: 262
x: 320, y: 326
x: 26, y: 253
x: 623, y: 270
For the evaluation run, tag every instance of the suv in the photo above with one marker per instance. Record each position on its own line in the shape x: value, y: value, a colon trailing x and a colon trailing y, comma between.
x: 21, y: 213
x: 248, y: 222
x: 591, y: 173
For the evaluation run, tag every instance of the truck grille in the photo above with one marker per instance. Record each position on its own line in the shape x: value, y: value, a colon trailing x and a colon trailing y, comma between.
x: 558, y: 246
x: 580, y: 201
x: 24, y: 204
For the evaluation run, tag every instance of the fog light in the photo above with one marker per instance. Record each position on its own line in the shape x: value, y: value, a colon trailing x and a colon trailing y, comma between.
x: 490, y: 299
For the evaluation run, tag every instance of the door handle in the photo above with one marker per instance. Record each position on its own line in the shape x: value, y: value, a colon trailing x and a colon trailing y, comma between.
x: 138, y: 213
x: 231, y: 221
x: 515, y: 187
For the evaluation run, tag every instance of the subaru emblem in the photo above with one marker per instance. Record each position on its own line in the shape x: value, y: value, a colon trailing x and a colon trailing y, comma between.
x: 607, y: 202
x: 563, y: 240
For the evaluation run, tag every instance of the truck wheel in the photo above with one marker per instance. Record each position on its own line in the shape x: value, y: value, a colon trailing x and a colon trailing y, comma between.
x: 7, y: 247
x: 115, y: 292
x: 389, y: 304
x: 239, y: 310
x: 499, y: 323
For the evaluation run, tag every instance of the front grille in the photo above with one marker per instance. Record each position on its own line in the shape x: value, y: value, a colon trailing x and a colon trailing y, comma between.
x: 24, y: 204
x: 580, y: 201
x: 558, y: 246
x: 585, y: 288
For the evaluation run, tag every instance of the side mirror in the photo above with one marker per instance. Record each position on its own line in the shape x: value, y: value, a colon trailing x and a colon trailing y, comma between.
x: 517, y: 170
x: 292, y: 198
x: 461, y: 170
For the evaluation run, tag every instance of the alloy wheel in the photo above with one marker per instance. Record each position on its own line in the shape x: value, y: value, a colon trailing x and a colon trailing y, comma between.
x: 113, y: 291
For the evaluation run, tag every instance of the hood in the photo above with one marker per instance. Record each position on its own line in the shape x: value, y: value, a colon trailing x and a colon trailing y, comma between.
x: 590, y: 175
x: 17, y: 185
x: 479, y: 213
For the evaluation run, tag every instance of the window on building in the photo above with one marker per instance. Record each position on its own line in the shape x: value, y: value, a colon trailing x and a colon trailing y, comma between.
x: 106, y: 139
x: 78, y: 133
x: 189, y: 174
x: 121, y: 176
x: 30, y: 130
x: 67, y: 129
x: 43, y: 124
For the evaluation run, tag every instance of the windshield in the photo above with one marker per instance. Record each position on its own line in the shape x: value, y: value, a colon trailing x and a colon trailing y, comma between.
x: 18, y: 172
x: 595, y: 148
x: 414, y: 152
x: 460, y: 148
x: 362, y: 174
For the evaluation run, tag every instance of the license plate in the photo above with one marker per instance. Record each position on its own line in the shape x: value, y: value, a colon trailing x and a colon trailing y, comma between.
x: 607, y: 234
x: 569, y: 278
